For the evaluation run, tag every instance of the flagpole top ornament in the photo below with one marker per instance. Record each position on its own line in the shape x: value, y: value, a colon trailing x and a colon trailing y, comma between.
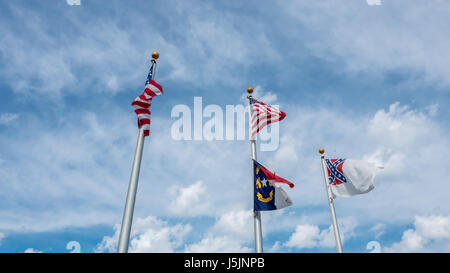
x: 155, y: 55
x: 249, y: 90
x: 321, y: 151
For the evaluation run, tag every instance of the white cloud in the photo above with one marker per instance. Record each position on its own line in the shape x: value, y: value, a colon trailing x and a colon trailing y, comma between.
x: 7, y: 118
x: 397, y: 36
x: 310, y: 236
x: 400, y: 126
x: 379, y: 229
x: 430, y: 234
x: 2, y: 236
x: 383, y: 156
x: 83, y: 160
x: 305, y: 236
x: 153, y: 235
x: 216, y: 244
x: 64, y: 165
x: 84, y: 163
x: 275, y: 247
x: 393, y: 137
x: 268, y: 97
x: 373, y: 2
x: 73, y: 2
x: 434, y: 227
x: 104, y: 55
x: 32, y: 250
x: 189, y: 201
x: 231, y: 232
x: 149, y: 234
x: 237, y: 224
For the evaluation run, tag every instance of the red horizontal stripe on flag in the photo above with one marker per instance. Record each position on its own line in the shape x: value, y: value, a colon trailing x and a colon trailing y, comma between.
x: 145, y: 97
x: 275, y: 178
x: 152, y: 82
x: 144, y: 121
x: 262, y: 115
x: 149, y: 92
x: 140, y: 104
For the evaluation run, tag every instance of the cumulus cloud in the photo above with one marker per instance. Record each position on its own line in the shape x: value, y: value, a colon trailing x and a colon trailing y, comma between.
x: 232, y: 232
x: 189, y: 201
x: 80, y: 160
x: 310, y: 236
x: 305, y: 236
x: 217, y: 244
x: 149, y: 234
x: 430, y: 234
x: 155, y: 235
x: 389, y: 137
x: 72, y: 164
x: 237, y: 224
x: 399, y: 126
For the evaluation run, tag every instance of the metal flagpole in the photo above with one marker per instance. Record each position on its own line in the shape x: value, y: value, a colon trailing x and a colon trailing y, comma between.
x: 330, y: 202
x: 127, y: 219
x: 256, y: 214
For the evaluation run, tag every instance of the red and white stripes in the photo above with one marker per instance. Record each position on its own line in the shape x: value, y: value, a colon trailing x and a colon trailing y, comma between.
x: 262, y: 115
x: 142, y: 104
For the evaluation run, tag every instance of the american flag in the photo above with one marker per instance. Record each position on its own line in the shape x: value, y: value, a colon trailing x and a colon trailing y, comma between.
x: 142, y: 103
x: 262, y: 114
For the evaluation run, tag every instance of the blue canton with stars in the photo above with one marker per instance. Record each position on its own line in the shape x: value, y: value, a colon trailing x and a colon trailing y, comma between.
x: 150, y: 75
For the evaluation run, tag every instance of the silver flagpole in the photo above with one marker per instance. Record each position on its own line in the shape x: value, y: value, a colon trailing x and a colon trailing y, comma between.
x: 256, y: 214
x: 127, y: 219
x: 330, y: 202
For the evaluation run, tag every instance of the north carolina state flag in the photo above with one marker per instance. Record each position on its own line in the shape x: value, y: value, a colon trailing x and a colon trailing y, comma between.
x: 268, y: 195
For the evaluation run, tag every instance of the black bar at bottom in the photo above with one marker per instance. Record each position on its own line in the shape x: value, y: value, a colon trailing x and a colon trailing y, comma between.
x: 223, y: 262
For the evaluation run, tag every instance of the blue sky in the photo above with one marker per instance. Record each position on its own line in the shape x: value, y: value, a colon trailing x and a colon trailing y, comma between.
x: 363, y: 81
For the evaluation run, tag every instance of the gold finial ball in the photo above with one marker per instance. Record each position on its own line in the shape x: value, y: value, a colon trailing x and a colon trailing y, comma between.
x: 321, y: 151
x: 249, y: 90
x: 155, y: 55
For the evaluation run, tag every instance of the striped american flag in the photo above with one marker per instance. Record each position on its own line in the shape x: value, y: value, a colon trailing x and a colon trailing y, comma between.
x: 263, y: 114
x: 142, y: 103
